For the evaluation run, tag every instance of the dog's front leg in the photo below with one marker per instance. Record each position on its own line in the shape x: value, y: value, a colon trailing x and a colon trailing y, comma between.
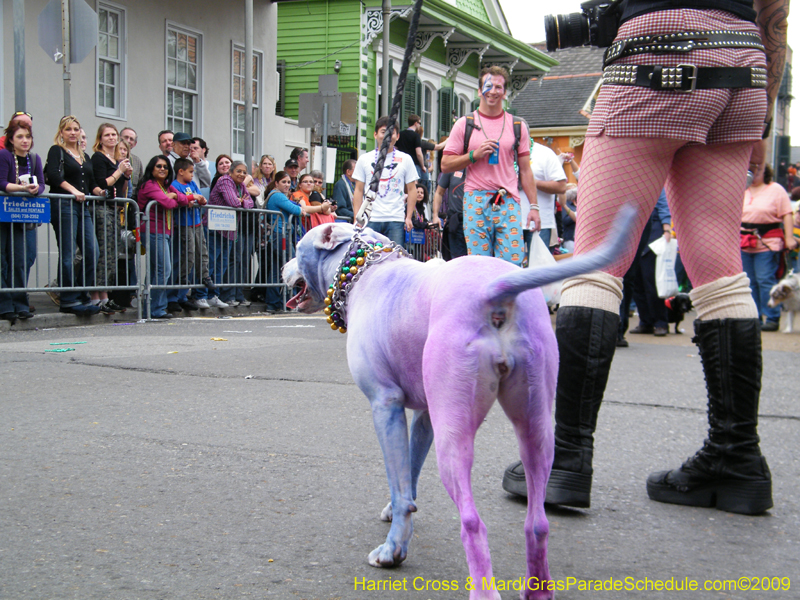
x: 421, y: 440
x: 389, y: 418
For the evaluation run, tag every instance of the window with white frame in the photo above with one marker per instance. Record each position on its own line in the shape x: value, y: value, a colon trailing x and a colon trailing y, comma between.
x: 426, y: 107
x: 184, y: 66
x: 110, y: 56
x: 463, y: 106
x: 239, y: 70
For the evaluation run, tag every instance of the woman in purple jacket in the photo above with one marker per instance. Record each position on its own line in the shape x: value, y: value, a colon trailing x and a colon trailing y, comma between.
x: 155, y: 186
x: 229, y: 191
x: 17, y: 164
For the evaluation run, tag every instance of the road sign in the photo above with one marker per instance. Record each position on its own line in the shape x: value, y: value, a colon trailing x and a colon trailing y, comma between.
x: 82, y: 30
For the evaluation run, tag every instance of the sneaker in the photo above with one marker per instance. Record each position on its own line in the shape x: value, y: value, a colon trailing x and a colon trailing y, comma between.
x: 202, y: 303
x: 164, y: 316
x: 233, y: 302
x: 106, y: 309
x: 174, y: 307
x: 189, y: 304
x: 54, y: 296
x: 216, y: 302
x: 622, y: 343
x: 245, y: 303
x: 82, y: 310
x: 115, y: 307
x: 770, y: 326
x: 209, y: 283
x: 25, y: 314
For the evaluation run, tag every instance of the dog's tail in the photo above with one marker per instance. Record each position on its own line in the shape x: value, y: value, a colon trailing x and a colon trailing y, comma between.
x: 509, y: 285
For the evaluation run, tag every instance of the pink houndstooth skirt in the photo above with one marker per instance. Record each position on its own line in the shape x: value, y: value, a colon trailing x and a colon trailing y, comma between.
x: 714, y: 116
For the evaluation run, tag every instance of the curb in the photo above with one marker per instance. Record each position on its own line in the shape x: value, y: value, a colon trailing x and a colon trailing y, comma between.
x: 58, y: 320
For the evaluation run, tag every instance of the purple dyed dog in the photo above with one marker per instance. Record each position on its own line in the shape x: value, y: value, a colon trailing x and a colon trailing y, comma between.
x: 445, y: 340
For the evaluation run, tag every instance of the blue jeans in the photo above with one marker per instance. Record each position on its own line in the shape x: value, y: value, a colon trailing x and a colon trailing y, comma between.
x: 394, y: 230
x: 219, y: 248
x: 73, y: 226
x: 760, y: 268
x: 239, y: 267
x: 160, y: 268
x: 14, y: 267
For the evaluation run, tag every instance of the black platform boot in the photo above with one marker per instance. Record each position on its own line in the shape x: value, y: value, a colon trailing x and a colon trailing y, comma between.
x: 729, y: 471
x: 587, y: 339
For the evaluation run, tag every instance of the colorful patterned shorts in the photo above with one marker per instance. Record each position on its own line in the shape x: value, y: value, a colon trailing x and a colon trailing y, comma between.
x: 493, y: 231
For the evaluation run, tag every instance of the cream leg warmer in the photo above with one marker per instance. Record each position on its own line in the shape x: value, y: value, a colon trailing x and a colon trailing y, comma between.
x: 724, y: 298
x: 594, y: 290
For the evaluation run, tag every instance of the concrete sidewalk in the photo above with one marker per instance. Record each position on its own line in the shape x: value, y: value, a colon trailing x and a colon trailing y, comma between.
x: 47, y: 315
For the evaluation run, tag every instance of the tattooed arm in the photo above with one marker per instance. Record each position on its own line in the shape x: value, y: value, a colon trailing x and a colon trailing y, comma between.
x: 771, y: 20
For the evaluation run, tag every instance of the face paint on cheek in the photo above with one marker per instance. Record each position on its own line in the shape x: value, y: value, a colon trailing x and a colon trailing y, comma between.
x: 487, y: 85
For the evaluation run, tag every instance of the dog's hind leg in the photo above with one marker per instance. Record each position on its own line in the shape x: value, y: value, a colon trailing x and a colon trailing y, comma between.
x: 389, y: 417
x: 527, y: 401
x: 458, y: 405
x: 421, y: 440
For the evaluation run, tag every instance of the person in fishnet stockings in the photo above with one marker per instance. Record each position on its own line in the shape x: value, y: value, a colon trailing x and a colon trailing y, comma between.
x: 674, y: 139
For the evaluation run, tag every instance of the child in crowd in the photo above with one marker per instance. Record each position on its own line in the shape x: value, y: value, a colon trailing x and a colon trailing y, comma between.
x: 190, y: 255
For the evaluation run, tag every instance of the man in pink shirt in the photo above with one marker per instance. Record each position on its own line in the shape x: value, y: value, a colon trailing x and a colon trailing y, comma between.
x: 493, y: 223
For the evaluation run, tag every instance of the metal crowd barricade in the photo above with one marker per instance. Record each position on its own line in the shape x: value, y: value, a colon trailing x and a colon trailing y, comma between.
x: 236, y: 248
x: 424, y: 244
x: 91, y: 247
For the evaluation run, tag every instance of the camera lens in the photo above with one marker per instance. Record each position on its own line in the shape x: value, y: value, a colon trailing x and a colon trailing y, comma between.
x: 566, y: 31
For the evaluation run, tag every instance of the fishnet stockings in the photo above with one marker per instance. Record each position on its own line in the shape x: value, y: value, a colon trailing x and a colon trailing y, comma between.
x: 705, y: 188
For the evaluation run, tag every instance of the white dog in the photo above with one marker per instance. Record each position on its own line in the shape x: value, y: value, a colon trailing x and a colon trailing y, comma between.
x: 787, y: 293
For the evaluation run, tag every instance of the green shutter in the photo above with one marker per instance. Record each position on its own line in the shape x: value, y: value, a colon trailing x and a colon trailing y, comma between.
x: 447, y: 101
x: 411, y: 98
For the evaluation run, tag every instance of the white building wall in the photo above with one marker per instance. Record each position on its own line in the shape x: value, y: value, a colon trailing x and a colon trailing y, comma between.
x: 220, y: 24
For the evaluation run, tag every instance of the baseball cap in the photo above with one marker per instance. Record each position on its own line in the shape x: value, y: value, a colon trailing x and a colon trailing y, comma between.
x: 291, y: 163
x: 182, y: 137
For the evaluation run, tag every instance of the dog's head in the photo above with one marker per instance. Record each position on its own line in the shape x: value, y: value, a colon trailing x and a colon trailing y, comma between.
x: 785, y: 289
x: 319, y: 253
x: 680, y: 304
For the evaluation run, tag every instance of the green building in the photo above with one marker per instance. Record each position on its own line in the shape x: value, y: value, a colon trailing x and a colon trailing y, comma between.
x: 456, y: 38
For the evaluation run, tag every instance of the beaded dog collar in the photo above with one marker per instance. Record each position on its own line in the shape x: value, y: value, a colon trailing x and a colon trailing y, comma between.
x: 355, y: 261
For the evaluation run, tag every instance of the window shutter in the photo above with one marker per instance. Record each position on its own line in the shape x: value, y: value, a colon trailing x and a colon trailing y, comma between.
x: 411, y: 99
x: 446, y: 100
x: 280, y: 105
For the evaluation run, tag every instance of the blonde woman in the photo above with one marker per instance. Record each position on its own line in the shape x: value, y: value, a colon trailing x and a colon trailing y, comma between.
x: 112, y: 176
x: 69, y: 171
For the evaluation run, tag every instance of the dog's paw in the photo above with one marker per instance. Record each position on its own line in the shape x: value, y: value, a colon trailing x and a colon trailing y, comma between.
x: 387, y: 555
x: 386, y: 513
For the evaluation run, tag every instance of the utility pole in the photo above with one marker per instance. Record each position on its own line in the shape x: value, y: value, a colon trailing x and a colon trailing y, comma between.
x: 19, y: 55
x: 386, y: 93
x: 67, y: 75
x: 248, y: 92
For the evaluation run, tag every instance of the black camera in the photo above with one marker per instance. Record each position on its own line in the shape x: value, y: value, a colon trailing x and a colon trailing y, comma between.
x: 595, y: 25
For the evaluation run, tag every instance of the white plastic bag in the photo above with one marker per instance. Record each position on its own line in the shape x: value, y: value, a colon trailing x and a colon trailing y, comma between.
x: 666, y: 254
x: 540, y: 256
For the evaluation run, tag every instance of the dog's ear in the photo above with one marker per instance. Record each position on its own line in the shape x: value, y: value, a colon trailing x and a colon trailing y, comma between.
x: 331, y: 235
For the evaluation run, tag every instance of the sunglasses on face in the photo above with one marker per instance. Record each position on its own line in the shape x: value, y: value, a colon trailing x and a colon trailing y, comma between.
x: 318, y: 181
x: 160, y: 166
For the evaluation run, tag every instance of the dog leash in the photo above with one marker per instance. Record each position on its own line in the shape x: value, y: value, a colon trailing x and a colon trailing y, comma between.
x: 360, y: 255
x: 362, y: 218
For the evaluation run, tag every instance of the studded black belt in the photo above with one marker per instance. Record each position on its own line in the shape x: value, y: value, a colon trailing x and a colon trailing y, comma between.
x: 681, y: 43
x: 685, y: 78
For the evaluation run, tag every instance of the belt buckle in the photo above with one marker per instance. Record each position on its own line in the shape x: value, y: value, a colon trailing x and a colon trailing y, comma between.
x: 692, y: 78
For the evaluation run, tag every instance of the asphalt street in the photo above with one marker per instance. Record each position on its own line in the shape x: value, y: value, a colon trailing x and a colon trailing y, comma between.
x: 235, y: 458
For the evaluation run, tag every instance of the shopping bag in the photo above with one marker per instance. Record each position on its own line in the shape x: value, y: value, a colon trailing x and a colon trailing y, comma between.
x: 540, y: 256
x: 666, y: 255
